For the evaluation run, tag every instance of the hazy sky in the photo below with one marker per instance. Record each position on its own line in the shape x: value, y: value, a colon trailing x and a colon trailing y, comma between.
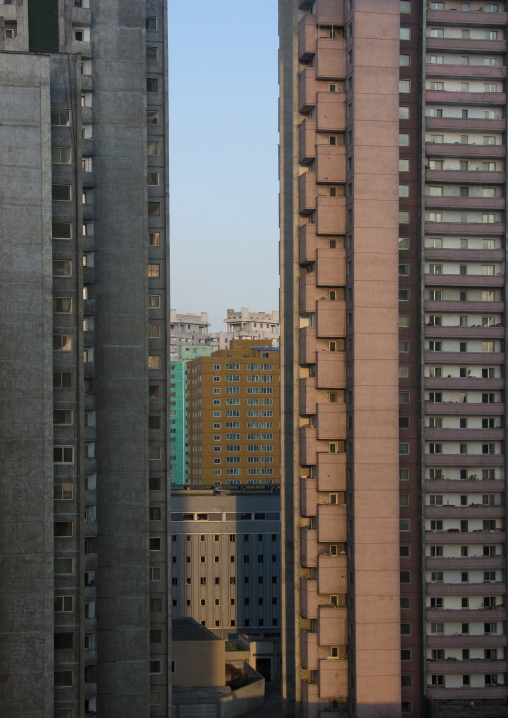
x: 223, y: 156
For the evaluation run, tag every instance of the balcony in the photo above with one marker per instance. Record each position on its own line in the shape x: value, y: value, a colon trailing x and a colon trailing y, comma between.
x: 333, y: 678
x: 465, y: 124
x: 307, y: 192
x: 331, y: 267
x: 86, y: 115
x: 331, y: 472
x: 91, y: 465
x: 307, y: 294
x: 89, y: 338
x: 89, y: 369
x: 458, y: 358
x: 485, y: 204
x: 466, y: 46
x: 331, y: 163
x: 307, y: 89
x: 308, y: 497
x: 484, y: 563
x: 307, y: 345
x: 466, y: 255
x: 332, y: 626
x: 479, y: 332
x: 331, y: 421
x: 332, y: 574
x: 463, y: 694
x: 308, y: 598
x: 308, y: 395
x: 465, y: 99
x: 466, y: 641
x: 471, y: 666
x: 331, y: 370
x: 331, y: 527
x: 329, y: 12
x: 465, y: 280
x: 310, y: 699
x: 330, y: 60
x: 477, y: 511
x: 331, y: 215
x: 307, y: 141
x: 469, y: 589
x: 88, y: 307
x: 309, y: 647
x: 307, y: 35
x: 308, y: 446
x: 464, y: 383
x: 474, y: 72
x: 307, y: 235
x: 484, y: 460
x: 465, y: 19
x: 464, y: 307
x: 457, y: 149
x: 88, y: 275
x: 466, y: 614
x: 464, y: 434
x: 308, y: 548
x: 331, y: 318
x: 461, y: 486
x: 474, y: 537
x: 331, y: 112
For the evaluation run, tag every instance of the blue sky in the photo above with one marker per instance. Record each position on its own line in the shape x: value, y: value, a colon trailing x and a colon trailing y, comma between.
x: 223, y: 156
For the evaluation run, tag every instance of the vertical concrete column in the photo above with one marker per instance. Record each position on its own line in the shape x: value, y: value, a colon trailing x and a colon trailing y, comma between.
x: 26, y: 390
x: 374, y: 266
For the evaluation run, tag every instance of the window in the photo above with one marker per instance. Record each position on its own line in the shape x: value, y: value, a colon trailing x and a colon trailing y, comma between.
x: 405, y: 33
x: 152, y: 117
x: 152, y: 179
x: 61, y: 193
x: 63, y: 566
x: 152, y: 147
x: 404, y: 86
x: 403, y: 140
x: 437, y: 139
x: 491, y: 34
x: 61, y: 155
x: 62, y: 305
x: 154, y: 270
x: 404, y: 60
x: 436, y: 86
x: 151, y: 23
x: 405, y: 6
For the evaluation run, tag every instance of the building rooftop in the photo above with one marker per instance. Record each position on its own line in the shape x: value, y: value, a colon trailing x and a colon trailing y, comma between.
x: 188, y: 629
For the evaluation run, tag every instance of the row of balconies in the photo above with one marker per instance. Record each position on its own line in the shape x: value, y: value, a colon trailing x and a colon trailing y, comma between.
x: 462, y: 486
x: 466, y: 564
x: 466, y: 641
x: 464, y: 280
x: 466, y: 19
x: 478, y: 332
x: 466, y: 255
x: 466, y: 45
x: 466, y: 124
x: 444, y: 434
x: 472, y: 537
x: 462, y: 307
x: 465, y: 383
x: 448, y: 202
x: 457, y: 149
x: 465, y: 99
x: 464, y: 512
x: 464, y: 460
x: 463, y: 358
x: 465, y: 71
x: 467, y: 694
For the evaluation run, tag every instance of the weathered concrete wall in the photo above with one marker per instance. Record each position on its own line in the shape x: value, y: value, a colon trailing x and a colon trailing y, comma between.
x: 26, y: 441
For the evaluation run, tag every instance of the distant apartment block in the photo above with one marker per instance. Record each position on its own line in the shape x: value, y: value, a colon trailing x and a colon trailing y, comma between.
x: 187, y: 329
x: 233, y: 415
x: 225, y: 559
x: 247, y: 325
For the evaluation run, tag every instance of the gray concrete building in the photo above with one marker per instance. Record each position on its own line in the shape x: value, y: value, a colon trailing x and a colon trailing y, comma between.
x: 83, y: 359
x: 225, y: 559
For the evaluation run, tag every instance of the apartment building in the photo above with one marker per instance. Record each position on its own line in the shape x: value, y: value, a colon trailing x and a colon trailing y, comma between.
x: 244, y: 324
x: 187, y: 329
x: 225, y: 559
x: 233, y: 415
x: 393, y: 356
x: 83, y: 353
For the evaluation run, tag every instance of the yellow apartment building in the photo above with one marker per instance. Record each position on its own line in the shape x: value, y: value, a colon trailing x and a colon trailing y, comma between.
x: 233, y: 415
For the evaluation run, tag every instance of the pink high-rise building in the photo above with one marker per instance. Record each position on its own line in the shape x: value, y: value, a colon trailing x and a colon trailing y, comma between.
x: 392, y: 157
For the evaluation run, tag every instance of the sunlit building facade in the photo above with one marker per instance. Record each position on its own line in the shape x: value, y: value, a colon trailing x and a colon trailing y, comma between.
x: 392, y: 357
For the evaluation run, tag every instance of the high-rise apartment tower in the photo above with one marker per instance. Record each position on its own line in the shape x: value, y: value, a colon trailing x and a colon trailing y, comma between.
x: 83, y: 359
x: 393, y: 233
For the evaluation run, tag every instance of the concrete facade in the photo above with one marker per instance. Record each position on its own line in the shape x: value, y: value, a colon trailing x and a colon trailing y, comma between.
x: 244, y: 324
x: 225, y: 567
x: 88, y: 174
x: 187, y: 329
x: 418, y: 511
